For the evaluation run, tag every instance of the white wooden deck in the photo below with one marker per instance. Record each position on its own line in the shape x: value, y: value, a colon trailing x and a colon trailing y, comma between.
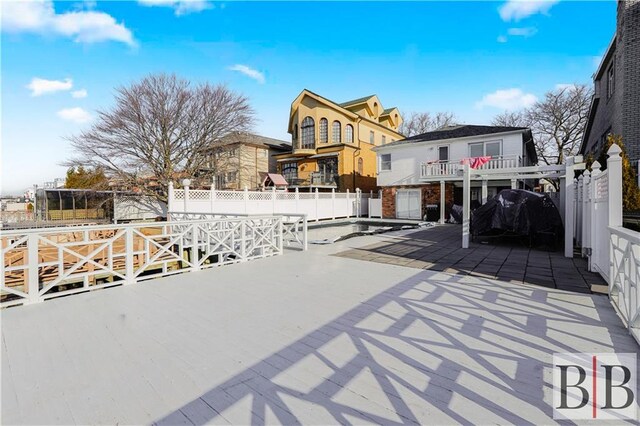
x: 301, y: 338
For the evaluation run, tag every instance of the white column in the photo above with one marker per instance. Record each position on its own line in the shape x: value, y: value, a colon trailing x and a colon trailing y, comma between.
x: 568, y: 208
x: 514, y: 184
x: 297, y: 197
x: 466, y: 205
x: 614, y: 190
x: 443, y: 201
x: 485, y: 191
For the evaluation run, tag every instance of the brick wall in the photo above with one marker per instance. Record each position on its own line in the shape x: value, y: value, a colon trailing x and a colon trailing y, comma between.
x: 430, y: 195
x: 628, y: 33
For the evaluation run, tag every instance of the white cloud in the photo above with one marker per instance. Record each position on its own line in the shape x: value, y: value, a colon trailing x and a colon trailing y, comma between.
x: 181, y: 7
x: 515, y: 10
x: 508, y: 99
x: 522, y: 32
x: 77, y: 115
x: 39, y: 16
x: 82, y: 93
x: 564, y: 86
x: 502, y: 39
x: 249, y: 72
x: 40, y: 86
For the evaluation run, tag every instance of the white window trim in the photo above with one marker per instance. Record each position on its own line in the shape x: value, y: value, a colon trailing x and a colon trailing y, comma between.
x: 380, y: 169
x: 448, y: 146
x: 484, y: 146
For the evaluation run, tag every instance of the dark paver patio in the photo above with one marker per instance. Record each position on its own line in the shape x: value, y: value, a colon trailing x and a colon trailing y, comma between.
x: 438, y: 249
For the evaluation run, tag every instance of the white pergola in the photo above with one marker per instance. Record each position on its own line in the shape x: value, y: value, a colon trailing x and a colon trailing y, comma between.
x: 564, y: 172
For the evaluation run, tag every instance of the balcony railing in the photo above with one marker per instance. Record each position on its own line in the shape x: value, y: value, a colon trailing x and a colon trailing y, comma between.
x: 451, y: 167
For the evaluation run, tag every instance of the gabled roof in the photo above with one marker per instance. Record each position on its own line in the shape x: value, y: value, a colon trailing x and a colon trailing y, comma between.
x: 456, y: 131
x: 387, y: 111
x: 253, y: 139
x: 356, y: 101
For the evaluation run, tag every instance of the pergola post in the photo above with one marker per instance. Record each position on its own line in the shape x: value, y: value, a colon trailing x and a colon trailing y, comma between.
x: 485, y: 192
x: 514, y: 184
x: 442, y: 201
x: 466, y: 205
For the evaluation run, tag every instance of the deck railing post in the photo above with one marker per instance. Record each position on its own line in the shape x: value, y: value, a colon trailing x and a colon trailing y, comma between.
x: 281, y: 234
x: 128, y: 256
x: 32, y: 271
x: 185, y: 184
x: 195, y: 251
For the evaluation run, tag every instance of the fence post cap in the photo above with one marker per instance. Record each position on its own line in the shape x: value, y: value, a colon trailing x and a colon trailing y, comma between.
x: 586, y: 173
x: 596, y: 166
x: 614, y: 151
x: 170, y: 184
x: 186, y: 182
x: 580, y: 178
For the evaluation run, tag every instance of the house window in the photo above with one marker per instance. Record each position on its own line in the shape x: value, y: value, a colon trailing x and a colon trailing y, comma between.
x: 231, y: 177
x: 384, y: 139
x: 488, y: 149
x: 385, y: 162
x: 308, y: 133
x: 360, y: 166
x: 289, y: 171
x: 611, y: 83
x: 324, y: 130
x: 443, y: 153
x: 348, y: 133
x: 335, y: 132
x: 372, y: 138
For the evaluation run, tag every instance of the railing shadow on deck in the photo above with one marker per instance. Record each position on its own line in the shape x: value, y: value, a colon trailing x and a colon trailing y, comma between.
x: 450, y: 348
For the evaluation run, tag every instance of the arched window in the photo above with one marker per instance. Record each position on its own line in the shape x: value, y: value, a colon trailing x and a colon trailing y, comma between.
x: 360, y: 166
x: 308, y: 129
x: 324, y: 130
x: 348, y: 133
x: 335, y: 132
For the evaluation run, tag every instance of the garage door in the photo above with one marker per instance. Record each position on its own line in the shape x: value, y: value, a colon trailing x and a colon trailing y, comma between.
x: 408, y: 204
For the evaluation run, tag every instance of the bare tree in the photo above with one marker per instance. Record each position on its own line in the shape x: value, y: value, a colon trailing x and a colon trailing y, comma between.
x: 558, y: 122
x: 160, y: 129
x: 422, y: 122
x: 510, y: 119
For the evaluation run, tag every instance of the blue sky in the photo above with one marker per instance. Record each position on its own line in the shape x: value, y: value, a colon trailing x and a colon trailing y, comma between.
x: 62, y: 60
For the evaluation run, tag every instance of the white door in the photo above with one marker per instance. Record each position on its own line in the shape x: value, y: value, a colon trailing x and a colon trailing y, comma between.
x: 408, y: 203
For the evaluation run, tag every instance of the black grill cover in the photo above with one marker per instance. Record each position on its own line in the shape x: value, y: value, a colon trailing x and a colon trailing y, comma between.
x: 518, y: 211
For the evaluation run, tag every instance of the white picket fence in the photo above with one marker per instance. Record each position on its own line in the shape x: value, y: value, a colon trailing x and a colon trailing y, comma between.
x: 40, y: 264
x: 612, y: 251
x: 315, y: 205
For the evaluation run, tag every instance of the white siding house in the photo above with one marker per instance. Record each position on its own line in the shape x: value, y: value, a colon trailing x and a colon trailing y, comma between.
x: 433, y: 160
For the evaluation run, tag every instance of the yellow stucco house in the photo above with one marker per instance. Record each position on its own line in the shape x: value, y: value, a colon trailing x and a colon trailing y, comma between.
x: 332, y: 143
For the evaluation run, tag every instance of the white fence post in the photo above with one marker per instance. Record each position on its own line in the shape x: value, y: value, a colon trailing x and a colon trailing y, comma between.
x: 170, y: 199
x: 317, y: 199
x: 273, y: 200
x: 128, y: 256
x: 33, y: 276
x: 297, y: 197
x: 569, y: 217
x: 442, y: 201
x: 195, y: 254
x: 212, y: 196
x: 333, y: 203
x: 246, y: 200
x: 614, y: 167
x: 358, y: 201
x: 586, y: 213
x: 185, y: 184
x: 593, y: 214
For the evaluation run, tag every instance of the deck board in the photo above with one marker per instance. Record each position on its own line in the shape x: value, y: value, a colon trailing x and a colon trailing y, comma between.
x: 302, y: 338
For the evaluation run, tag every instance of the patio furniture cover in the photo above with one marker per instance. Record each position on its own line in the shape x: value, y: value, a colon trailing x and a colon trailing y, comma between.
x: 520, y: 212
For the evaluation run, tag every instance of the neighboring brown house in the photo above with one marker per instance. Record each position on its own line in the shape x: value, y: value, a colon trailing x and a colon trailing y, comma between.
x: 615, y: 107
x: 240, y: 159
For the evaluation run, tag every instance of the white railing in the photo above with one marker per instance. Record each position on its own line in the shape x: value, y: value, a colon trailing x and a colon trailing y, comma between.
x: 315, y: 205
x: 40, y: 264
x: 612, y: 251
x: 294, y: 226
x: 625, y: 276
x: 451, y: 168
